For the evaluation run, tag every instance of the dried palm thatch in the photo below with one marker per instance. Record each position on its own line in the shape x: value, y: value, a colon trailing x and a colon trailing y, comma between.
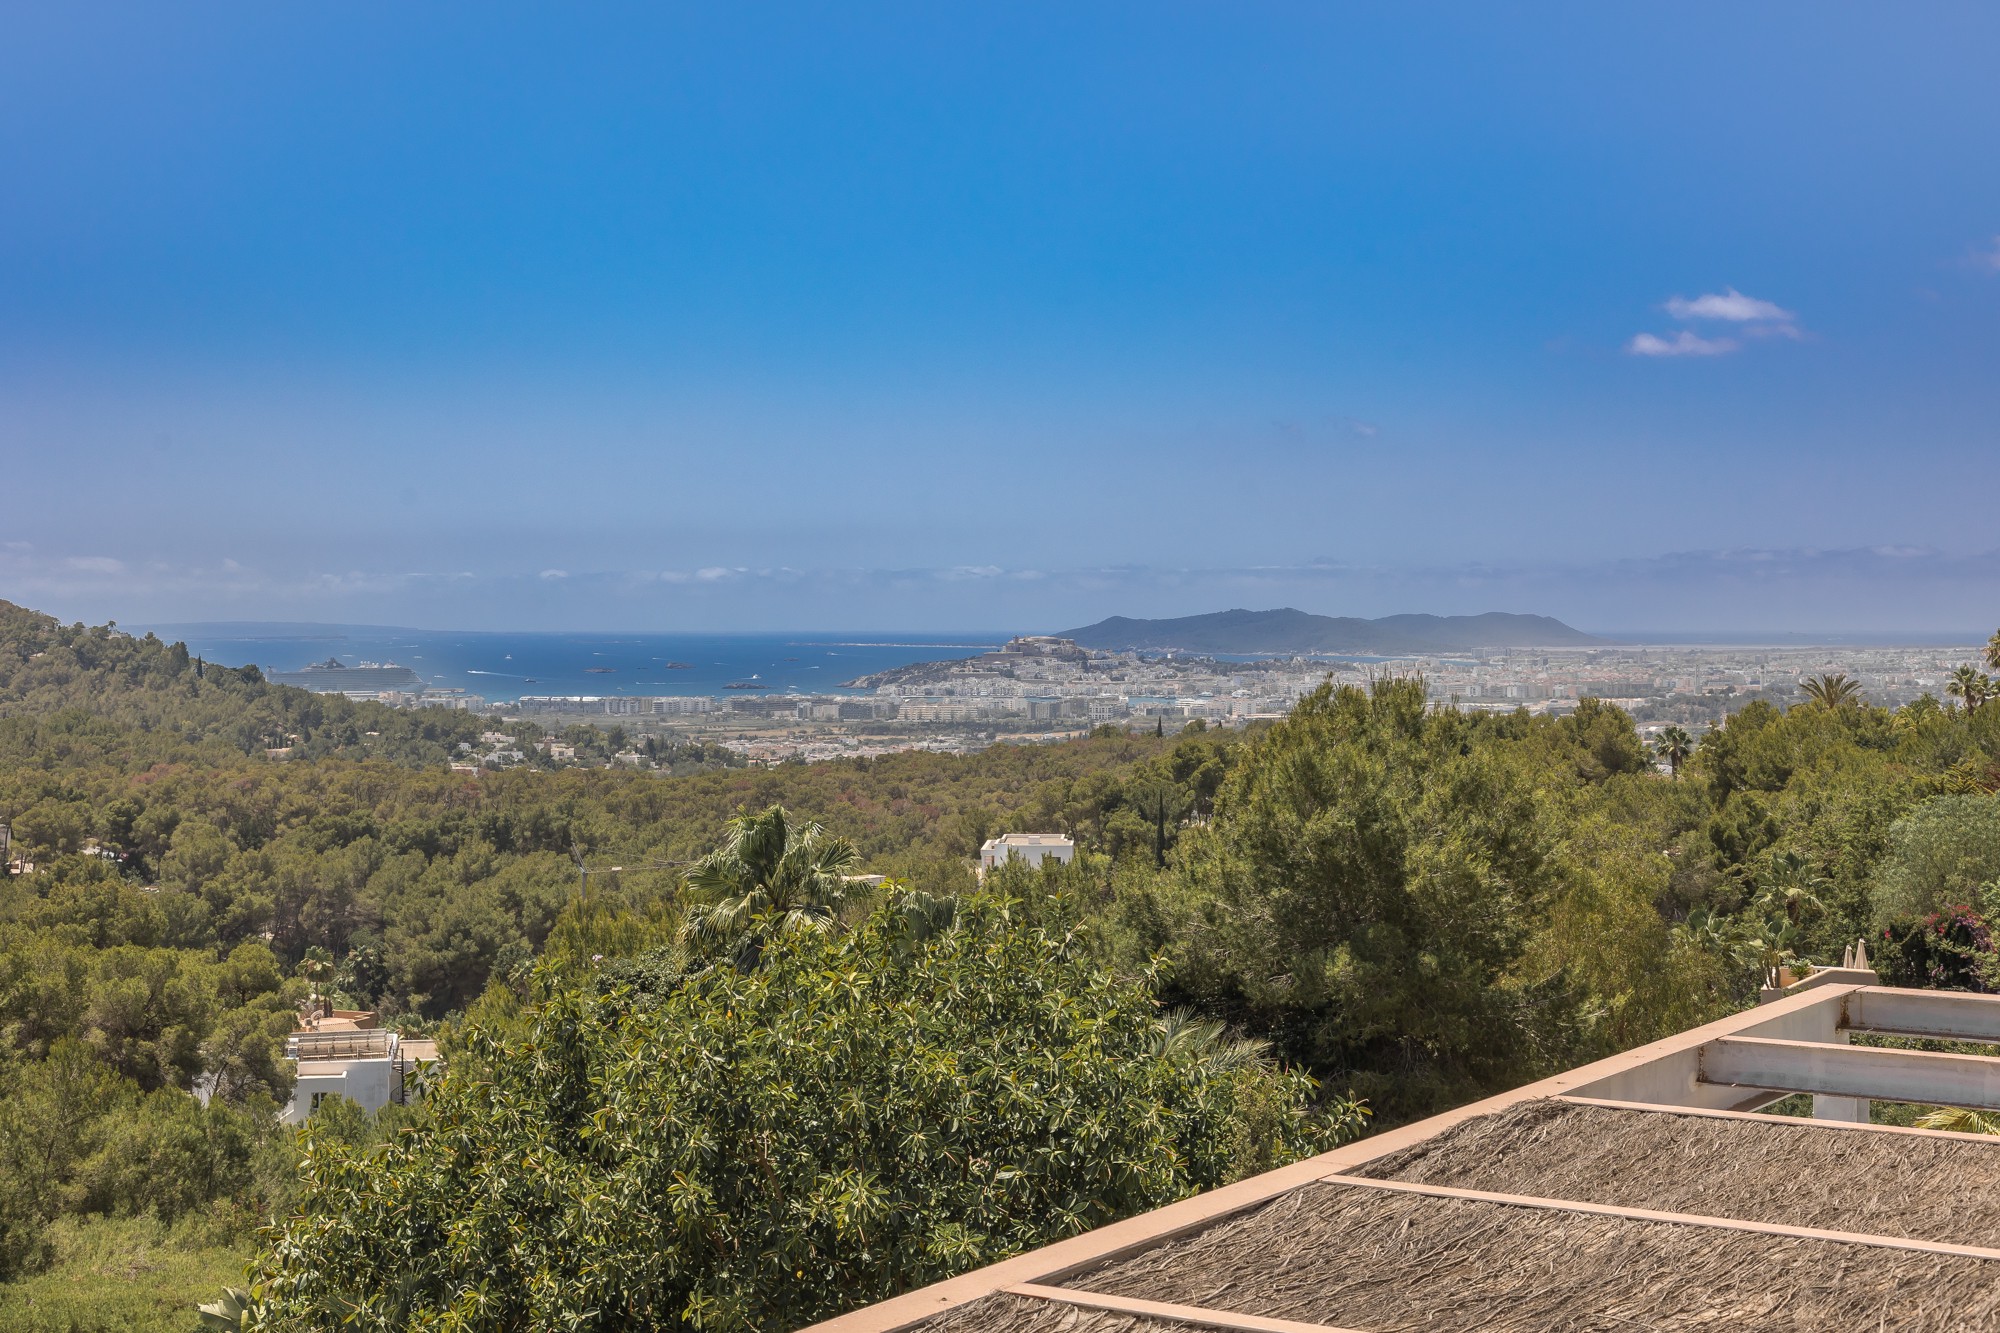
x: 1020, y: 1314
x: 1349, y: 1255
x: 1804, y: 1174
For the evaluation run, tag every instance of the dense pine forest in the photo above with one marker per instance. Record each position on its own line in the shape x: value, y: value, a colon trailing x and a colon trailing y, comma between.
x: 731, y: 1085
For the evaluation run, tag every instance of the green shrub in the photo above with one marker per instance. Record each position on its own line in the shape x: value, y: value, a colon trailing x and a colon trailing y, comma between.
x: 861, y: 1113
x: 1939, y: 856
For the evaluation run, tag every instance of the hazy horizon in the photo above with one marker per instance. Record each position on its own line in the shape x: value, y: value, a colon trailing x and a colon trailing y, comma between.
x: 902, y: 636
x: 694, y: 319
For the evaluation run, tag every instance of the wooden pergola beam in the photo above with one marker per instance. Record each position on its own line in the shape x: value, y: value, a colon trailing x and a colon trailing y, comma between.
x: 1988, y: 1141
x: 1199, y: 1316
x: 1874, y: 1073
x: 1708, y: 1220
x: 1942, y: 1015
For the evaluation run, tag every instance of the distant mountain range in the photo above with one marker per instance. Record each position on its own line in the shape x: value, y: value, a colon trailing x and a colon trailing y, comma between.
x: 1289, y: 631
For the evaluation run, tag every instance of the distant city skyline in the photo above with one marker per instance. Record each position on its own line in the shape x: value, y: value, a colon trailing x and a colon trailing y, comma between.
x: 675, y: 318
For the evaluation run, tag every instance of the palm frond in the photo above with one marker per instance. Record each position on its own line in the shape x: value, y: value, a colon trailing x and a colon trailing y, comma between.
x: 1961, y: 1120
x: 1183, y: 1035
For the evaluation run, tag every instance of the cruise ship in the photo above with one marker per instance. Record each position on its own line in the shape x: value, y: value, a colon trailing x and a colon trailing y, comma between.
x: 335, y: 677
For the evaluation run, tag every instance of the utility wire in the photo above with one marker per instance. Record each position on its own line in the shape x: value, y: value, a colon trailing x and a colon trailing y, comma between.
x: 585, y: 871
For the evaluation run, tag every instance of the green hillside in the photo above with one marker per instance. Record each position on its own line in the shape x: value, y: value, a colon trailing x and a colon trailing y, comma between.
x: 1409, y: 905
x: 1290, y: 631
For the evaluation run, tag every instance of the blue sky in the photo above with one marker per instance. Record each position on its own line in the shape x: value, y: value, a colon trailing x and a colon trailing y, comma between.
x: 923, y: 316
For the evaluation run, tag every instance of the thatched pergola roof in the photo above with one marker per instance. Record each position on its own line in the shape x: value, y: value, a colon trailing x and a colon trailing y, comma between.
x: 1337, y: 1254
x: 1942, y: 1187
x: 1642, y: 1192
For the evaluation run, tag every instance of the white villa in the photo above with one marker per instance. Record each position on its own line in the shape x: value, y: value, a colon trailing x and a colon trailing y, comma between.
x: 1032, y: 848
x: 341, y: 1053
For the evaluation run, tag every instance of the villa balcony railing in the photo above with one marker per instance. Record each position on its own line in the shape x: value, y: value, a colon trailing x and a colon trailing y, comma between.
x: 373, y: 1044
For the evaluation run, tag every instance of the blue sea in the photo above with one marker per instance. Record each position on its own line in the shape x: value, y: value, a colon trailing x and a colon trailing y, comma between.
x: 505, y: 666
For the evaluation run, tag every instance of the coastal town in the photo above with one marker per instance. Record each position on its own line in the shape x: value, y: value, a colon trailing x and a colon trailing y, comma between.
x: 1039, y: 688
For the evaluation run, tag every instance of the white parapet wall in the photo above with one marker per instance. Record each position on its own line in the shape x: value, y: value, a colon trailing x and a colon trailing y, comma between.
x: 1029, y: 848
x: 365, y: 1067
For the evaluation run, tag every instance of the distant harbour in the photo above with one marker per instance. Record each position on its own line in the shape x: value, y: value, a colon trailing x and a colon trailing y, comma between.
x: 501, y: 667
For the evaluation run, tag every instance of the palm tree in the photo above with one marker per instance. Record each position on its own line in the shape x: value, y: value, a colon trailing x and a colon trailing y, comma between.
x: 317, y: 968
x: 1971, y: 685
x: 1705, y: 930
x: 1791, y: 889
x: 772, y: 877
x: 1674, y: 745
x: 1833, y: 691
x: 1993, y: 652
x: 317, y: 965
x: 1917, y: 712
x: 1775, y: 946
x: 1715, y: 934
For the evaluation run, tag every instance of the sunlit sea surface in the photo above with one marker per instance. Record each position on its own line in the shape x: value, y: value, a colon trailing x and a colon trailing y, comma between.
x: 505, y: 666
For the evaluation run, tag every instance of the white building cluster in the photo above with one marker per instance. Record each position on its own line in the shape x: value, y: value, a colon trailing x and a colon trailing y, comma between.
x: 1044, y: 688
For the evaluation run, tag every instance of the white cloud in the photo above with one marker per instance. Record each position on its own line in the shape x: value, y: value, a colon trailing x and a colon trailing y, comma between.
x: 1730, y: 305
x: 1988, y: 259
x: 95, y: 564
x: 1750, y: 316
x: 553, y: 574
x: 1683, y: 343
